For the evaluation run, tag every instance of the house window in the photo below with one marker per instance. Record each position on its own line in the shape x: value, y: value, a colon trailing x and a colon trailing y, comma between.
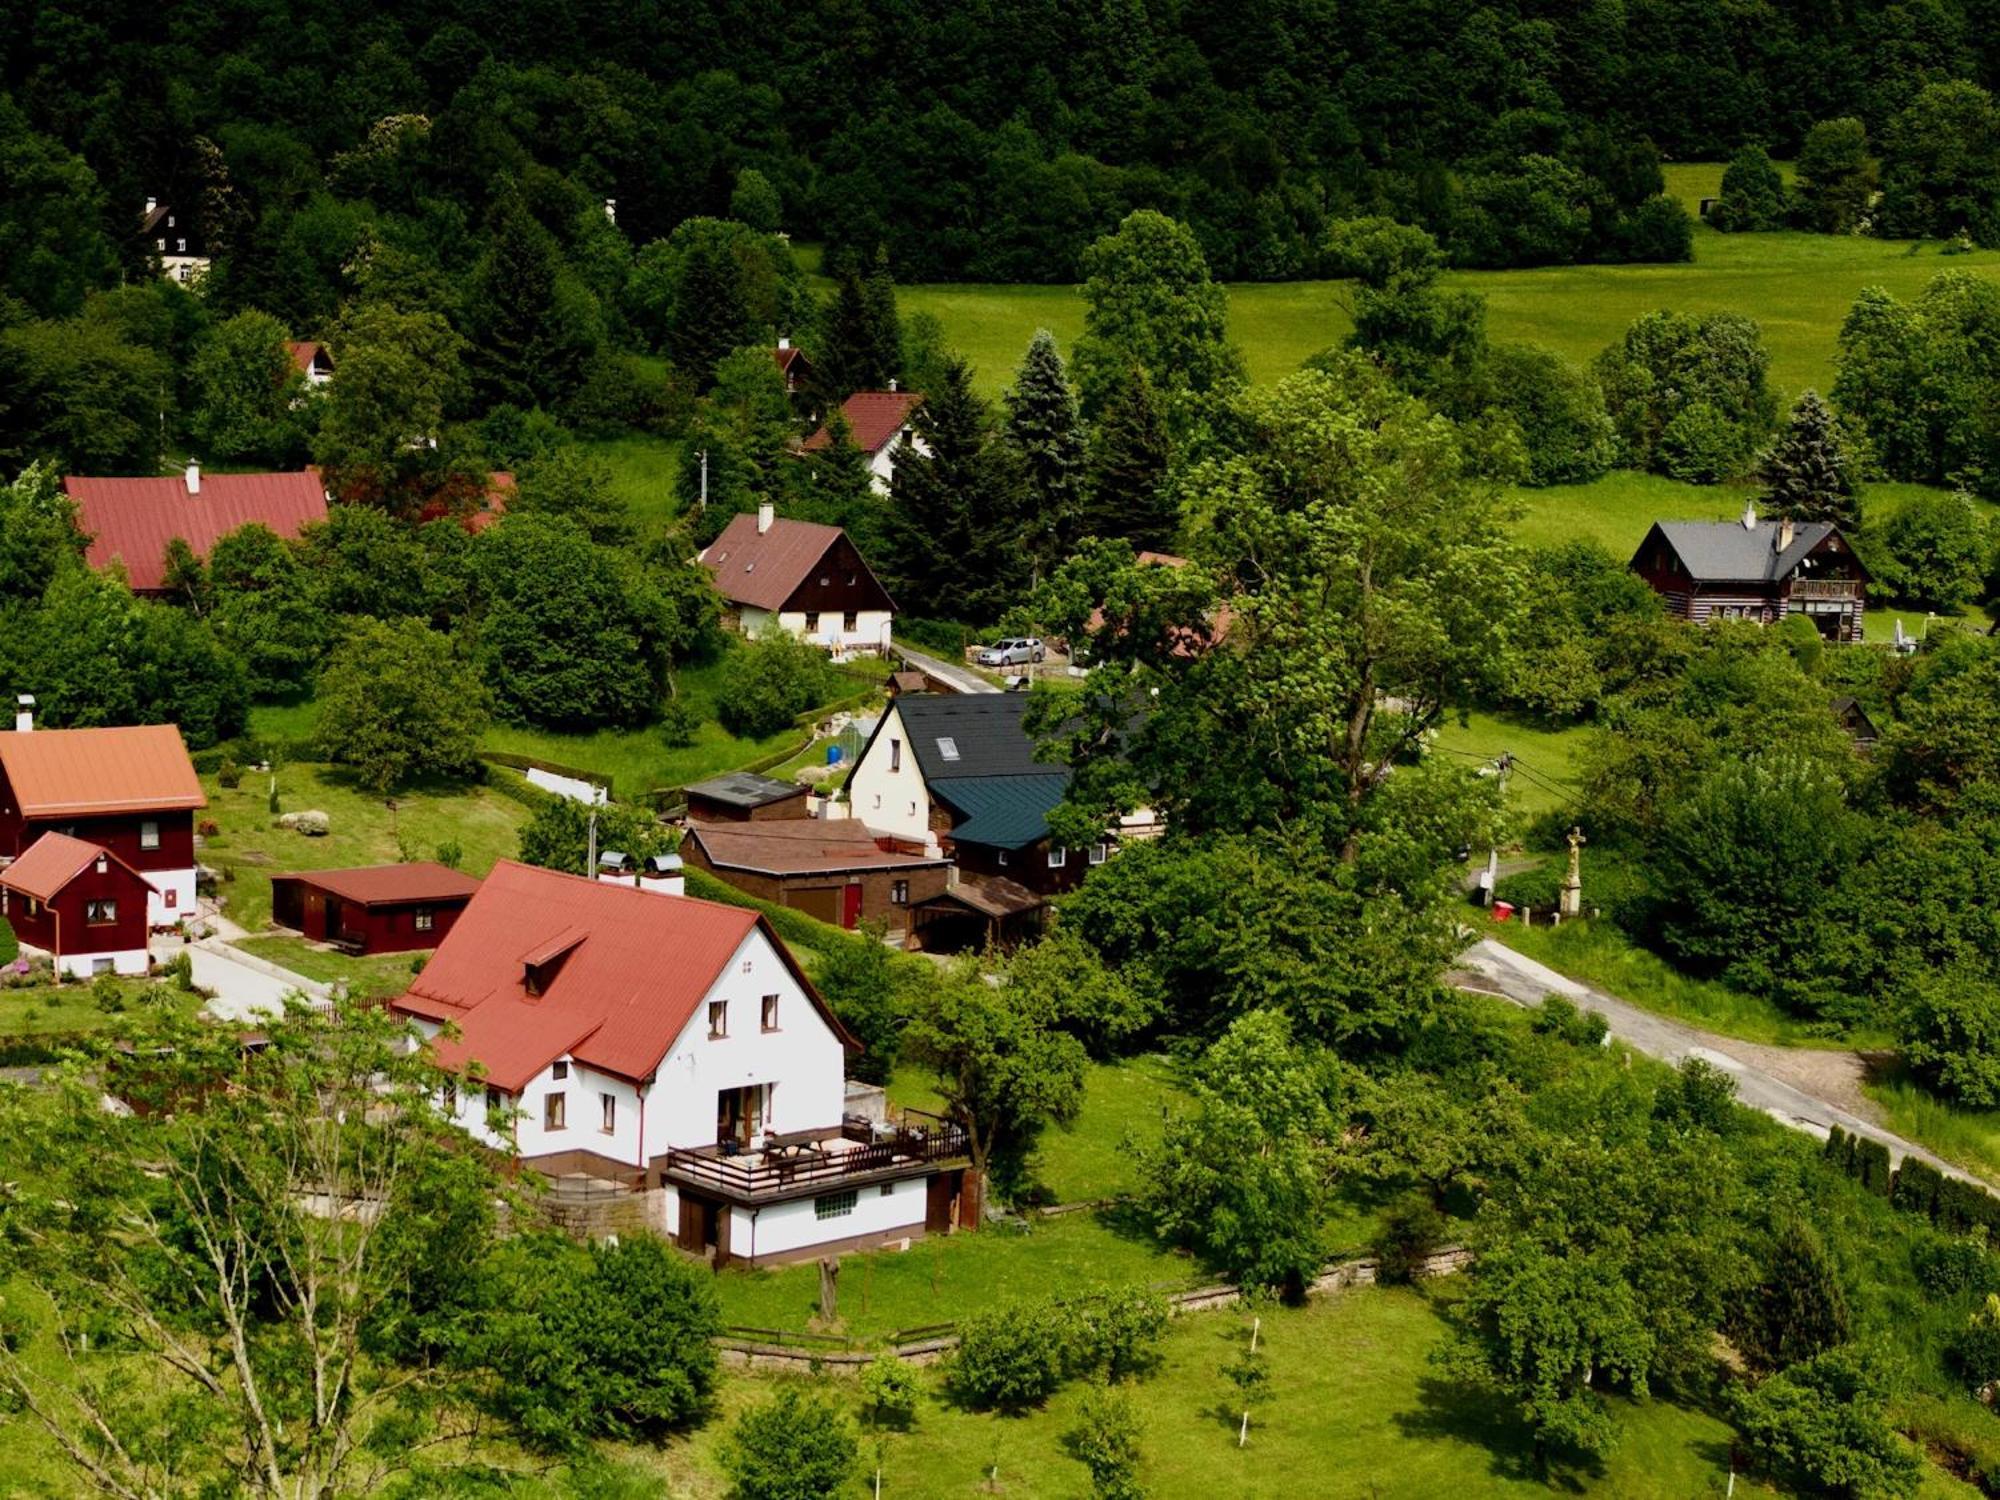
x: 1099, y: 853
x: 608, y: 1103
x: 554, y: 1110
x: 149, y: 835
x: 34, y: 907
x: 888, y: 1190
x: 1000, y: 858
x: 495, y: 1099
x: 850, y: 621
x: 559, y: 1070
x: 770, y: 1012
x: 450, y: 1098
x: 103, y: 865
x: 718, y: 1019
x: 170, y: 898
x: 1058, y: 858
x: 835, y: 1205
x: 812, y: 621
x: 878, y: 802
x: 424, y: 919
x: 100, y: 913
x: 895, y: 755
x: 100, y: 966
x: 947, y: 747
x: 899, y: 893
x: 746, y: 966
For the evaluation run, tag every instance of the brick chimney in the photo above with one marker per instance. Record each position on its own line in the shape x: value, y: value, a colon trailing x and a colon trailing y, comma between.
x: 766, y: 514
x: 193, y: 477
x: 24, y: 713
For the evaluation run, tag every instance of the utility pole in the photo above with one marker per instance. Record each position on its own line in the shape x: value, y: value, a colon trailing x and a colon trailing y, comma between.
x: 703, y: 455
x: 1492, y: 876
x: 590, y: 859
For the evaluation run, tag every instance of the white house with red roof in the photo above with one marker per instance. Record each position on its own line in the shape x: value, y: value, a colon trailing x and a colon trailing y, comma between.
x: 673, y: 1045
x: 802, y: 578
x: 312, y: 360
x: 883, y: 424
x: 131, y: 520
x: 130, y: 789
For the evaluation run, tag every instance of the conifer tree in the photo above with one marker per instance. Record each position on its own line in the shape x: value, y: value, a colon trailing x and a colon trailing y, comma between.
x: 885, y: 329
x: 1799, y: 1309
x: 848, y: 359
x: 1046, y: 436
x: 954, y: 525
x: 711, y: 314
x: 1810, y: 474
x: 1126, y: 494
x: 536, y: 326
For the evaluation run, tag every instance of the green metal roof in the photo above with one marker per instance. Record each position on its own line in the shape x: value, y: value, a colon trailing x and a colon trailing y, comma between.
x: 1002, y: 812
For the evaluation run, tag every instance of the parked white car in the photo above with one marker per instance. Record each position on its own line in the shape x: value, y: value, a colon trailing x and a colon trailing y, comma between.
x: 1014, y: 653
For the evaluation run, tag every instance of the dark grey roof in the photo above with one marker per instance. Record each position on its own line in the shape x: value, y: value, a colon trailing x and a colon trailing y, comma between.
x: 1729, y: 551
x: 744, y: 789
x: 970, y: 734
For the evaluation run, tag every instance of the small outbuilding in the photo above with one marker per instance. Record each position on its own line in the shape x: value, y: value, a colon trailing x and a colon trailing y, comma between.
x: 745, y: 797
x: 376, y: 909
x: 80, y: 903
x: 832, y: 869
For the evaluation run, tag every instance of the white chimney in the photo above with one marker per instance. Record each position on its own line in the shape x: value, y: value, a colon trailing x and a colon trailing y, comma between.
x: 193, y: 477
x: 892, y: 383
x: 611, y: 209
x: 151, y: 204
x: 24, y: 713
x: 1785, y: 534
x: 766, y: 514
x: 783, y: 342
x: 663, y: 875
x: 1749, y: 515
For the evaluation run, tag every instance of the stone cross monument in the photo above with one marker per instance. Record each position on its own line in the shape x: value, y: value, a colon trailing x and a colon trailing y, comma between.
x: 1571, y: 904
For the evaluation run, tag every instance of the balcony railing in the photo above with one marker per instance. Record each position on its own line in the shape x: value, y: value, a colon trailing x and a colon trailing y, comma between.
x: 1826, y: 588
x: 826, y: 1159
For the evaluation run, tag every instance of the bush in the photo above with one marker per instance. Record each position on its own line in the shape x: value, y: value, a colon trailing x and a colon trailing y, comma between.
x: 1536, y: 890
x: 1950, y: 1029
x: 10, y: 946
x: 1871, y: 1166
x: 1974, y: 1350
x: 1823, y: 1426
x: 1105, y: 1440
x: 680, y: 722
x: 608, y: 1341
x: 1946, y: 1265
x: 1559, y: 409
x: 229, y: 775
x: 450, y: 854
x: 890, y: 1391
x: 1010, y: 1360
x: 1559, y: 1018
x: 1799, y: 1308
x: 796, y: 1446
x: 107, y: 994
x: 768, y: 683
x: 1411, y: 1231
x: 1916, y: 1188
x: 1115, y: 1334
x: 180, y: 972
x: 1702, y: 446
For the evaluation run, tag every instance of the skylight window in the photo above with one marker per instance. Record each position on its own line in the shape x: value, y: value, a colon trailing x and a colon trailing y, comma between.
x: 947, y: 747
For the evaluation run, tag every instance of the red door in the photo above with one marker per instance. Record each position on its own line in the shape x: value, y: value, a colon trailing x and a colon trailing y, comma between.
x: 315, y: 917
x: 850, y: 907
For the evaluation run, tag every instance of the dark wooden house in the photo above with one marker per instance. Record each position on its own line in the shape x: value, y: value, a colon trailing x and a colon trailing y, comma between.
x: 800, y: 577
x: 1762, y: 571
x: 376, y: 909
x: 833, y: 869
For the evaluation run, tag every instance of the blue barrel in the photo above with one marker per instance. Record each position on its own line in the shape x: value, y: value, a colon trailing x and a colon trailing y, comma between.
x: 833, y: 754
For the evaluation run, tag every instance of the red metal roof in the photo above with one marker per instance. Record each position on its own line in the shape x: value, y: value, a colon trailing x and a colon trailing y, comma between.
x: 132, y: 520
x: 52, y: 862
x: 389, y: 885
x: 130, y: 768
x: 763, y: 571
x: 874, y: 416
x: 634, y: 967
x: 800, y: 846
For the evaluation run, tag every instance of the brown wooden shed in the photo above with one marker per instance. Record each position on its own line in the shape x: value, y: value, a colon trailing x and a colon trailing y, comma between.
x: 377, y: 909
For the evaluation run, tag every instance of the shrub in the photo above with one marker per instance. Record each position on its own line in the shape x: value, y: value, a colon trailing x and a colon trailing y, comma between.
x: 1916, y: 1187
x: 1799, y: 1308
x: 1946, y: 1265
x: 890, y: 1391
x: 1974, y: 1351
x: 1536, y: 889
x: 1012, y: 1359
x: 1411, y: 1230
x: 1823, y: 1426
x: 1702, y: 446
x: 768, y: 683
x: 1559, y: 1018
x: 1105, y: 1440
x: 680, y: 722
x: 1871, y: 1165
x: 1115, y: 1334
x: 795, y: 1446
x: 106, y: 994
x: 450, y: 854
x: 180, y: 972
x: 229, y: 774
x: 10, y: 946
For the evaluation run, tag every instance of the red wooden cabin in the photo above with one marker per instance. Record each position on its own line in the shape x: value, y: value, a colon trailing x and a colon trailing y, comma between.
x: 80, y: 903
x: 377, y: 909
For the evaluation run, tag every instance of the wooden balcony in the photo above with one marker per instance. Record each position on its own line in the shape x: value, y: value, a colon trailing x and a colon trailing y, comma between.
x: 787, y: 1166
x: 1826, y: 588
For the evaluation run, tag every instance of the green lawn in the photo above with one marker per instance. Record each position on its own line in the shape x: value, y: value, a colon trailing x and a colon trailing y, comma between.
x: 642, y: 473
x: 1968, y: 1137
x: 53, y: 1009
x: 1547, y: 757
x: 1798, y: 286
x: 365, y: 831
x: 1355, y: 1410
x: 370, y: 976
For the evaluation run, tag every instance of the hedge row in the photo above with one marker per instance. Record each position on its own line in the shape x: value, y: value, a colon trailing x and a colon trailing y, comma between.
x: 248, y: 752
x: 1916, y: 1187
x: 792, y: 926
x: 518, y: 788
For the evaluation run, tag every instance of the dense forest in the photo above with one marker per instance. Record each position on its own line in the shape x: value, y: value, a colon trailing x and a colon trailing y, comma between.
x: 976, y: 142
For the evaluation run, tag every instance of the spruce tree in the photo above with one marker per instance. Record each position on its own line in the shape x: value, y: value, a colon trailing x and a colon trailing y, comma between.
x: 954, y: 535
x: 847, y: 360
x: 1799, y: 1309
x: 1810, y: 474
x: 711, y: 314
x: 838, y: 490
x: 1126, y: 493
x: 885, y: 328
x: 1046, y: 436
x: 535, y: 326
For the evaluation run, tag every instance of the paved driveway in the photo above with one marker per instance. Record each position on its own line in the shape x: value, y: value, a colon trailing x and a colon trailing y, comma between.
x: 244, y: 987
x: 963, y: 679
x: 1814, y: 1107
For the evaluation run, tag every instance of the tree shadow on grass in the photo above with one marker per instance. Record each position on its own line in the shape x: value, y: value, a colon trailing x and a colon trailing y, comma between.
x: 1455, y: 1411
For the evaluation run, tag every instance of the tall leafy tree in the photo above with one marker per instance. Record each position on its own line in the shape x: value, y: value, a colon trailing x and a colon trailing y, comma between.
x: 1753, y: 194
x: 956, y: 533
x: 388, y: 436
x: 53, y: 249
x: 1149, y: 301
x: 1941, y: 165
x: 1044, y: 431
x: 81, y: 393
x: 1836, y: 175
x: 399, y: 704
x: 1810, y: 473
x: 249, y: 398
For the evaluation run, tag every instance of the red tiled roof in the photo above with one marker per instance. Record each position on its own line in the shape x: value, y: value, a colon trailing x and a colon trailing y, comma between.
x: 303, y: 352
x: 493, y: 504
x: 786, y: 358
x: 799, y: 846
x: 626, y: 971
x: 131, y: 768
x: 389, y: 885
x: 875, y: 417
x: 133, y: 519
x: 52, y: 862
x: 762, y: 571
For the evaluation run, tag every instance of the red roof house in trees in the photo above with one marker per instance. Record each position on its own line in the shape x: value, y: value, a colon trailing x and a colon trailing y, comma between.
x: 312, y: 361
x: 79, y: 903
x: 883, y: 423
x: 131, y: 790
x: 801, y: 577
x: 378, y: 909
x: 131, y: 521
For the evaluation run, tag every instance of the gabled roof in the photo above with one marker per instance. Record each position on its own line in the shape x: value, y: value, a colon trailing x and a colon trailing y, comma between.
x: 763, y: 570
x: 745, y: 789
x: 970, y: 734
x: 875, y: 417
x: 1002, y: 812
x: 623, y: 973
x: 788, y: 355
x: 132, y: 520
x: 389, y: 885
x: 1730, y: 552
x: 81, y: 772
x: 305, y: 351
x: 799, y: 846
x: 53, y: 861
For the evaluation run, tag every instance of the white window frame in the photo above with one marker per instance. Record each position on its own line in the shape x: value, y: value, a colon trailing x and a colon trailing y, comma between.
x: 718, y: 1020
x: 149, y: 834
x: 555, y: 1110
x: 1058, y: 857
x: 607, y: 1104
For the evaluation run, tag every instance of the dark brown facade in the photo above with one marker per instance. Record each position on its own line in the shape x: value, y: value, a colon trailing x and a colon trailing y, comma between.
x: 325, y: 916
x: 840, y: 584
x: 1824, y: 582
x: 844, y: 897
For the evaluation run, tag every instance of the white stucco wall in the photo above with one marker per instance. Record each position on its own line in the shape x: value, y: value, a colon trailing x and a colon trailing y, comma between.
x: 783, y: 1228
x: 177, y: 883
x: 83, y: 965
x: 882, y: 467
x: 886, y: 790
x: 872, y: 627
